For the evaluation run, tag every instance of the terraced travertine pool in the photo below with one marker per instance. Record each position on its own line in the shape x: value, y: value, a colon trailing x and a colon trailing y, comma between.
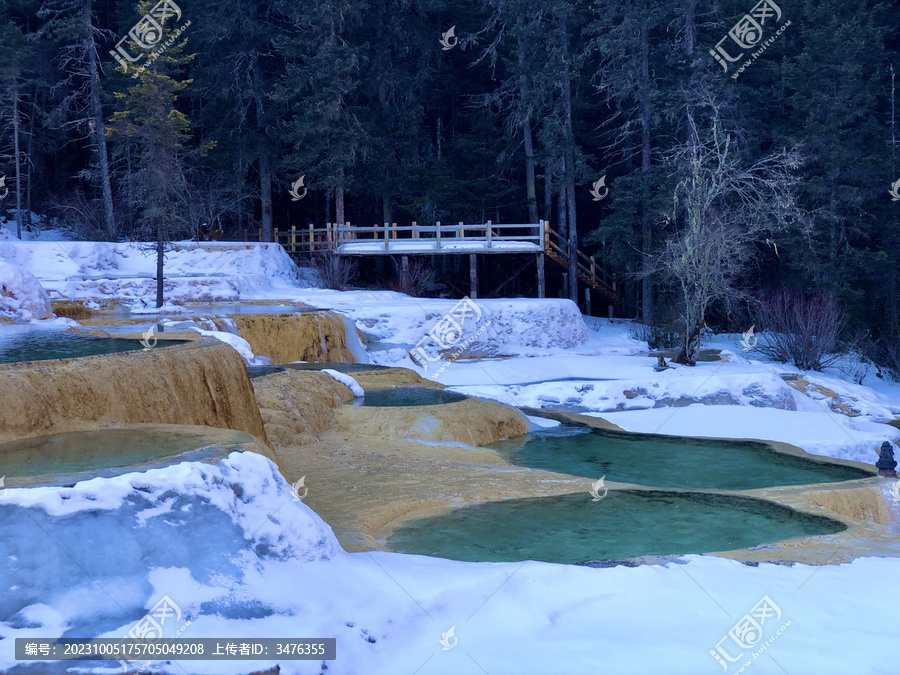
x: 668, y: 461
x: 406, y: 397
x: 45, y: 345
x: 83, y: 454
x: 625, y: 523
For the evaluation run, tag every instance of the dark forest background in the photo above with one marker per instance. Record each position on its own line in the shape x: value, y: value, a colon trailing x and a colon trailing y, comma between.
x: 783, y: 173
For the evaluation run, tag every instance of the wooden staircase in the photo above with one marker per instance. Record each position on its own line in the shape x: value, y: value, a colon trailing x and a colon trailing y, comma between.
x: 590, y: 272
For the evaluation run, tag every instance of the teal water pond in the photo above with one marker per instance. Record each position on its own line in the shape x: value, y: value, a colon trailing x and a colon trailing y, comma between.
x: 409, y: 396
x: 624, y: 524
x: 44, y: 345
x: 93, y: 451
x: 261, y: 371
x: 668, y: 461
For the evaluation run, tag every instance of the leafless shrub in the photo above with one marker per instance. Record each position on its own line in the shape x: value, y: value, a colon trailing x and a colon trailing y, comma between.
x: 334, y: 271
x: 420, y: 279
x: 657, y: 336
x: 79, y: 216
x: 885, y: 355
x: 800, y: 329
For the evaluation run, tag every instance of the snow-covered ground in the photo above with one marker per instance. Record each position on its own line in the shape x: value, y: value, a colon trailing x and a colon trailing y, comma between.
x: 241, y: 557
x: 230, y: 546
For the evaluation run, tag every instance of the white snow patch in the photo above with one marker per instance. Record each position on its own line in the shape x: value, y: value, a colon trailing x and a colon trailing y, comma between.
x: 346, y: 380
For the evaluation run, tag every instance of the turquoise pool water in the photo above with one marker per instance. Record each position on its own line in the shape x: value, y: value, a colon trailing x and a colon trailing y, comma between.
x: 260, y: 371
x: 409, y: 396
x: 624, y: 524
x: 93, y: 451
x: 667, y: 461
x: 44, y: 345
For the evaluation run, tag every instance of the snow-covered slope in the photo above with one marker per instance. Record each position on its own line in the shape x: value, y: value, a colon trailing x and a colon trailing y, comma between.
x: 194, y: 272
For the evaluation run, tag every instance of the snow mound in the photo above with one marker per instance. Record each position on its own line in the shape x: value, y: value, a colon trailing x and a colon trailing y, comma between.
x: 346, y: 380
x: 205, y: 272
x: 491, y: 327
x: 22, y: 298
x: 204, y: 520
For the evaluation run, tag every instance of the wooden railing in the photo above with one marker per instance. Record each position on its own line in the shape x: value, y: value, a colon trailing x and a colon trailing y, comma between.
x: 589, y: 270
x: 333, y: 235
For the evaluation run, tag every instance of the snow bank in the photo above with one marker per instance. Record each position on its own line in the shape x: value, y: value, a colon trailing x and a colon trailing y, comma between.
x: 514, y: 326
x: 345, y: 380
x: 241, y: 346
x: 209, y: 271
x: 22, y: 298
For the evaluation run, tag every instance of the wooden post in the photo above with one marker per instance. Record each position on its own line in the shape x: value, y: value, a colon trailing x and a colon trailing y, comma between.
x: 387, y: 235
x: 293, y: 238
x: 542, y: 289
x: 404, y: 271
x: 350, y: 230
x: 488, y: 233
x: 546, y: 236
x: 246, y: 236
x: 260, y: 235
x: 393, y: 230
x: 587, y: 300
x: 593, y: 268
x: 565, y: 288
x: 610, y: 311
x: 473, y: 276
x: 415, y: 230
x: 460, y: 232
x: 329, y: 235
x: 437, y: 235
x: 276, y: 235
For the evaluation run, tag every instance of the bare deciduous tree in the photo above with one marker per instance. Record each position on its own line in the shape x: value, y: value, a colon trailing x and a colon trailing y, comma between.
x: 724, y: 207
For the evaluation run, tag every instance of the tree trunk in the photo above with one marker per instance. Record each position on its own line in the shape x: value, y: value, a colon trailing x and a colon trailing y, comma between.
x: 530, y: 191
x: 99, y: 127
x: 387, y: 207
x: 569, y: 166
x: 339, y: 204
x: 160, y: 257
x: 18, y: 162
x: 265, y: 196
x: 548, y: 192
x: 265, y: 160
x: 28, y: 155
x: 646, y: 230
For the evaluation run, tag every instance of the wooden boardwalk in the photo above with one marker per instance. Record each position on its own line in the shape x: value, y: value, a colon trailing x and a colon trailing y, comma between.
x: 473, y: 239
